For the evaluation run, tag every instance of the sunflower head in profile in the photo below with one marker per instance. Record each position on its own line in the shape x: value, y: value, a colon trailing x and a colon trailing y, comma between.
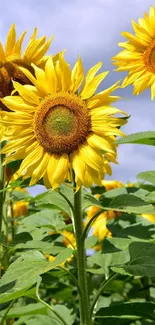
x: 11, y: 59
x: 138, y: 56
x: 57, y: 128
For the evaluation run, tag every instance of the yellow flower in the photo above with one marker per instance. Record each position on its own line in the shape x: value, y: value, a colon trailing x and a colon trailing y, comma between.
x: 20, y: 208
x: 99, y: 227
x: 50, y: 258
x: 54, y: 129
x: 138, y: 56
x: 69, y: 239
x: 11, y: 59
x: 110, y: 185
x: 1, y: 131
x: 149, y: 217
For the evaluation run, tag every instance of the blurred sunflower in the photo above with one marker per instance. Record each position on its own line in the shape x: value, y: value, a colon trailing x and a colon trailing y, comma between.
x: 110, y: 185
x: 138, y: 56
x: 11, y: 59
x: 150, y: 217
x: 56, y: 128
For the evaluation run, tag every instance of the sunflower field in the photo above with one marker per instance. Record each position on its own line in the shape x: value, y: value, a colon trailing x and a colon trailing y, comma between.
x: 83, y: 251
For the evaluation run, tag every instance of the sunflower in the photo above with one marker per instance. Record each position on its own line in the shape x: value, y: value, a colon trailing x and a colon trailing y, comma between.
x: 57, y: 128
x: 138, y: 56
x: 11, y: 59
x: 111, y: 185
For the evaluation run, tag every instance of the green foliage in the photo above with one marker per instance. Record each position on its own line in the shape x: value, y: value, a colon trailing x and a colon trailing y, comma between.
x: 124, y: 266
x: 147, y: 138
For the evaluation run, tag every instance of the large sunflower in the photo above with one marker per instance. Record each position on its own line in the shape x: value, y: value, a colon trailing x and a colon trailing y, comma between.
x: 57, y: 128
x: 11, y: 59
x: 138, y: 56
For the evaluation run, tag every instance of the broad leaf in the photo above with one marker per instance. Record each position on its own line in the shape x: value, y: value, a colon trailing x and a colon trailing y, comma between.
x: 53, y: 198
x: 148, y: 176
x: 45, y: 218
x: 127, y: 203
x: 144, y: 310
x: 25, y: 271
x: 147, y: 138
x: 142, y: 260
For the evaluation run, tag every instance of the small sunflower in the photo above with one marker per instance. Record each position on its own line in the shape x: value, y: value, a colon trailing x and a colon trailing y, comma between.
x: 111, y: 185
x: 138, y: 56
x: 11, y: 59
x: 56, y: 127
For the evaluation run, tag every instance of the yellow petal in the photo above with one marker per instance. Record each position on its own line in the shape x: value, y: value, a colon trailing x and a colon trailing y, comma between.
x: 50, y: 76
x: 39, y: 172
x: 105, y: 110
x: 32, y: 158
x: 40, y: 51
x: 65, y: 73
x: 18, y: 45
x: 77, y: 76
x: 107, y: 168
x: 92, y: 72
x: 2, y: 53
x: 11, y: 40
x: 98, y: 129
x: 17, y: 144
x: 40, y: 84
x: 90, y: 88
x: 32, y: 47
x: 16, y: 103
x: 91, y: 177
x: 92, y: 157
x: 97, y: 142
x: 28, y: 96
x: 61, y: 169
x: 78, y: 166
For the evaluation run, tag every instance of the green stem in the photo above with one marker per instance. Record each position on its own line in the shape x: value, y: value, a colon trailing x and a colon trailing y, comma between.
x: 12, y: 221
x: 81, y: 259
x: 89, y: 224
x: 6, y: 312
x: 73, y: 278
x: 2, y: 185
x: 62, y: 321
x: 100, y: 290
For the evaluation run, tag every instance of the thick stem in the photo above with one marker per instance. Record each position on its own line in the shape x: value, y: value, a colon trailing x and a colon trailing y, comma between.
x: 2, y: 181
x: 81, y: 260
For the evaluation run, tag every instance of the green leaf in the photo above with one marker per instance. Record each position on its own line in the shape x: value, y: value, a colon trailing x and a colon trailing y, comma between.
x: 107, y: 260
x: 37, y: 320
x: 43, y: 246
x: 65, y: 313
x: 144, y: 310
x: 18, y: 195
x: 142, y: 260
x: 31, y: 309
x: 44, y: 218
x: 148, y: 176
x: 91, y: 242
x: 147, y: 138
x: 127, y: 203
x: 25, y: 271
x: 53, y: 198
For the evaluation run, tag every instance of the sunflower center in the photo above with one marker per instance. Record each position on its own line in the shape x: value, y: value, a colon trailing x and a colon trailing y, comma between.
x: 62, y: 123
x: 149, y: 57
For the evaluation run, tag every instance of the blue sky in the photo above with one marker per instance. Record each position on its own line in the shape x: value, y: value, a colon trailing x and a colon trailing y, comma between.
x: 92, y: 29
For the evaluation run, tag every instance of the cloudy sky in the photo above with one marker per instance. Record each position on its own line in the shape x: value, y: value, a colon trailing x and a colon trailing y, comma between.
x: 92, y: 29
